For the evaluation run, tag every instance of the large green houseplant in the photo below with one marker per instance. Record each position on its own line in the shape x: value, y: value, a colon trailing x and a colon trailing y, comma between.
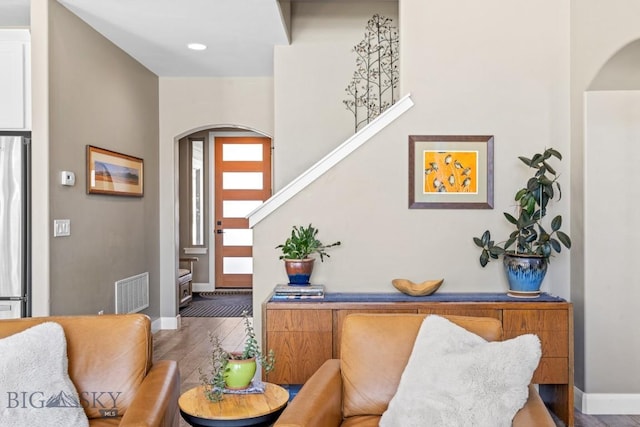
x: 527, y: 251
x: 234, y: 370
x: 297, y: 252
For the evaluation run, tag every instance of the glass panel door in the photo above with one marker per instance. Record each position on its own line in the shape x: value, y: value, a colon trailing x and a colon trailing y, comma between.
x: 242, y: 183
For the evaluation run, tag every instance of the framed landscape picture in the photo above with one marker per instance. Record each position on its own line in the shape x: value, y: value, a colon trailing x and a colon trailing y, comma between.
x: 450, y: 172
x: 114, y: 173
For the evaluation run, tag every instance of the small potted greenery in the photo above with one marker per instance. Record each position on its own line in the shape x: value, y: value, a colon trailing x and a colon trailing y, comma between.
x: 234, y: 371
x: 297, y: 251
x: 527, y: 251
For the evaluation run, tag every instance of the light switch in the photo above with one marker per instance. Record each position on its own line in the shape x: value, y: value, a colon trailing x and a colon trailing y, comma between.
x: 61, y: 227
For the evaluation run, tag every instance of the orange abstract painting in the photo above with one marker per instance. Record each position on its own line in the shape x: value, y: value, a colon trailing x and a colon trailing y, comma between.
x: 450, y: 171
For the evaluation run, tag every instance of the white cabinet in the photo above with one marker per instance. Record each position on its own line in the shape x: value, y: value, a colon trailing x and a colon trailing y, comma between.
x: 15, y: 79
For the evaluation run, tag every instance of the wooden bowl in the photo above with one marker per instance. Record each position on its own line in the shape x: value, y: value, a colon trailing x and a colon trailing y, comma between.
x: 417, y: 289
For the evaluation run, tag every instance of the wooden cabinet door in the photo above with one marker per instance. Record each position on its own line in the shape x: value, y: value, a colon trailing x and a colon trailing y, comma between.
x: 301, y: 340
x: 15, y: 107
x: 551, y: 326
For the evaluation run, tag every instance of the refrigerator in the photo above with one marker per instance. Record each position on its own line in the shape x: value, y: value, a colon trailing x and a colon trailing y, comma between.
x: 15, y: 224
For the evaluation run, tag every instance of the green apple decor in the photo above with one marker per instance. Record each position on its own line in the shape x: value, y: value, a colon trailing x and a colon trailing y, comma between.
x: 234, y: 371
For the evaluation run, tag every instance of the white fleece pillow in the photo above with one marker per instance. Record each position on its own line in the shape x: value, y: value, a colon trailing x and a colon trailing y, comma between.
x: 455, y: 378
x: 35, y: 389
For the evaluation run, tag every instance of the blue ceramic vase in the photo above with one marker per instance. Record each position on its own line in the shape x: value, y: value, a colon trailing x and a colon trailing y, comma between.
x: 525, y: 274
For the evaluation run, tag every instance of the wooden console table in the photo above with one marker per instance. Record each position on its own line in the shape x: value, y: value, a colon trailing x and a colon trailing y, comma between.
x: 305, y: 333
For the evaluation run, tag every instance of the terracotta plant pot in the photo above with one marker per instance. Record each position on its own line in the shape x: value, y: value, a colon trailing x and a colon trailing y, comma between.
x: 299, y: 270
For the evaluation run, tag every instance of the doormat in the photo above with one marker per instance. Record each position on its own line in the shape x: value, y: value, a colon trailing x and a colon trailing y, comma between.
x: 222, y: 292
x: 226, y: 303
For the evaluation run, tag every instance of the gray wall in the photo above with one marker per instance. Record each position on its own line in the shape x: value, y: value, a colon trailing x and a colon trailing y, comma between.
x: 310, y: 77
x: 611, y: 135
x: 102, y: 97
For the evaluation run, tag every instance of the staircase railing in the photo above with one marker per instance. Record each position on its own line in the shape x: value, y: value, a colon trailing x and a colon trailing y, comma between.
x: 330, y: 160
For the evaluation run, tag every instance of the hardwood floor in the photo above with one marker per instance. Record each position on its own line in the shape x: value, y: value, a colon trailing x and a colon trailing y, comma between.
x: 190, y: 347
x: 607, y: 420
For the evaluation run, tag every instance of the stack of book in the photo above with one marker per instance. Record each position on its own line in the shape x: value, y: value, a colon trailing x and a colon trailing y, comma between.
x: 282, y: 292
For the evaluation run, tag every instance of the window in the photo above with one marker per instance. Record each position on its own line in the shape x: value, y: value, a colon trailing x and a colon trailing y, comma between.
x: 197, y: 192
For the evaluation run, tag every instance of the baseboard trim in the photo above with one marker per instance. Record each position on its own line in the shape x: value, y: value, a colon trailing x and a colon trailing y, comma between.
x: 202, y: 287
x: 606, y: 403
x: 170, y: 323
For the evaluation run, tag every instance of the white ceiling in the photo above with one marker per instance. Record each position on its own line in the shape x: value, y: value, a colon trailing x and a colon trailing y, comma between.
x: 14, y: 13
x: 239, y: 34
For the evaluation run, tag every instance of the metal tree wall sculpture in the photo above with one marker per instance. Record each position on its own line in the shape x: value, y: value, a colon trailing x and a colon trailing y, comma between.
x: 373, y: 86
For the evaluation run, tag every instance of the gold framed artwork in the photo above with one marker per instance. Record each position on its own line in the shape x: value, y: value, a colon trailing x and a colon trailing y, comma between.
x: 114, y: 173
x: 450, y: 172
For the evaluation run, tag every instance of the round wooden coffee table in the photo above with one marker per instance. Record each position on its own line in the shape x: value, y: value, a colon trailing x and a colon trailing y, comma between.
x: 235, y: 409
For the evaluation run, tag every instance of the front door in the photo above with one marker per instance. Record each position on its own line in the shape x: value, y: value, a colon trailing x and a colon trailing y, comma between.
x: 242, y: 183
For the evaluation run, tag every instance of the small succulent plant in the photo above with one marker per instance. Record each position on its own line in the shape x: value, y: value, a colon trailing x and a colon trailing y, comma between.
x: 302, y: 243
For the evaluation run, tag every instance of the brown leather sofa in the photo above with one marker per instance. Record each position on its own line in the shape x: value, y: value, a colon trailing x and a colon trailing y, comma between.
x: 356, y: 389
x: 113, y: 353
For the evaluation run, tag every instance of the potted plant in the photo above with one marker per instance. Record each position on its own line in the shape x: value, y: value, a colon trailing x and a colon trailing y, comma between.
x: 234, y: 370
x: 297, y: 251
x: 527, y: 251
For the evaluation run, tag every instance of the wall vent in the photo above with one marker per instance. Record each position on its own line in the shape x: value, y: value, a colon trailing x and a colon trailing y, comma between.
x: 132, y: 294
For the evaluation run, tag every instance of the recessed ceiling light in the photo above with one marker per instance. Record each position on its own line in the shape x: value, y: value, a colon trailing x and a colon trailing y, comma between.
x: 196, y: 46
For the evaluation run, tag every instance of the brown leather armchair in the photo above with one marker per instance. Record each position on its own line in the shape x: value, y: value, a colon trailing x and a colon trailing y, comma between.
x: 113, y: 353
x: 354, y: 391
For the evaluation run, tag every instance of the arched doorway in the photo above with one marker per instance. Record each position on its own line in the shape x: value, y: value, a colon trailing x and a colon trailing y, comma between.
x: 223, y: 174
x: 609, y: 154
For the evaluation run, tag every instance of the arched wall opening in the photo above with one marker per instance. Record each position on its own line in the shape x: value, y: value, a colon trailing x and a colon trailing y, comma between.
x: 621, y: 71
x: 209, y: 133
x: 605, y: 351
